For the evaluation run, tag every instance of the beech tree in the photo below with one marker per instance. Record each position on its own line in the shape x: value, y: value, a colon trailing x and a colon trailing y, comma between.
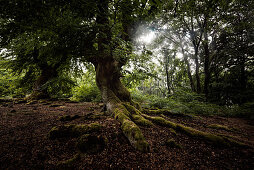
x: 102, y: 31
x: 50, y: 35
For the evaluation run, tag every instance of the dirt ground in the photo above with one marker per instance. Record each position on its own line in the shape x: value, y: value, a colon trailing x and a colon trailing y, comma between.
x: 24, y: 141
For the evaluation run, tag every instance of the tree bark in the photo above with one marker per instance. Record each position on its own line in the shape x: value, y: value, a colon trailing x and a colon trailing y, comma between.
x: 118, y: 102
x: 115, y: 96
x: 188, y: 70
x: 197, y: 70
x: 167, y: 74
x: 108, y: 81
x: 206, y: 66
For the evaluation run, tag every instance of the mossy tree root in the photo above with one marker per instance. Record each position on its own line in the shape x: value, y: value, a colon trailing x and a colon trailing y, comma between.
x: 73, y: 130
x: 136, y: 115
x: 167, y: 112
x: 215, y: 139
x: 129, y: 128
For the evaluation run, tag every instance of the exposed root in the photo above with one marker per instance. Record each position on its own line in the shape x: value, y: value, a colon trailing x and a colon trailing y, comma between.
x: 130, y: 129
x: 157, y: 112
x: 221, y: 127
x: 136, y: 116
x: 161, y: 121
x: 136, y: 105
x: 73, y: 130
x: 168, y: 113
x: 215, y: 139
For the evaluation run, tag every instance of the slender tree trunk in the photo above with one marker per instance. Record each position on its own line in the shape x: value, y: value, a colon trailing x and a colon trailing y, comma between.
x: 197, y: 70
x: 167, y: 74
x: 243, y: 79
x: 206, y: 66
x: 188, y: 70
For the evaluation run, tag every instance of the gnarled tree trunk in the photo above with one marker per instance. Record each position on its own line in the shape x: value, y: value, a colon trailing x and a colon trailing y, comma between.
x: 108, y: 80
x: 118, y: 102
x: 115, y: 96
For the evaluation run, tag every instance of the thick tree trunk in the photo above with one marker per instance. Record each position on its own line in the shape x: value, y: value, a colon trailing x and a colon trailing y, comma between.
x: 108, y: 80
x: 119, y: 104
x: 115, y: 96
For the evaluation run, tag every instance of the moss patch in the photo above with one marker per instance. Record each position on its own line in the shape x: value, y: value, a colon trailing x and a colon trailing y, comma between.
x: 136, y: 116
x: 169, y: 113
x: 161, y: 121
x: 215, y: 139
x: 236, y: 141
x: 121, y: 114
x: 220, y: 127
x: 157, y: 112
x: 135, y: 136
x: 136, y: 105
x: 130, y: 129
x: 173, y: 131
x: 32, y: 102
x: 73, y: 130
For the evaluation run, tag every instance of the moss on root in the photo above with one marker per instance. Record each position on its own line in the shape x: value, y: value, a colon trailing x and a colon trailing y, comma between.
x: 173, y: 131
x: 157, y: 112
x: 167, y: 112
x: 136, y: 116
x: 136, y: 105
x: 215, y: 139
x: 220, y: 127
x: 160, y: 121
x: 130, y: 129
x: 73, y: 130
x: 135, y: 136
x: 236, y: 141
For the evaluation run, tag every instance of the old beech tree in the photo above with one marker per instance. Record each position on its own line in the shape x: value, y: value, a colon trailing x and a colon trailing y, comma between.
x: 47, y: 34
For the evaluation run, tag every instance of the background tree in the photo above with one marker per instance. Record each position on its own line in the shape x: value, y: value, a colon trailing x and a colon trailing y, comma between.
x: 42, y: 38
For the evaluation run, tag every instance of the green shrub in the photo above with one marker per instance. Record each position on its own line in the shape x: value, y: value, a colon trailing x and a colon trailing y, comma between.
x: 87, y: 93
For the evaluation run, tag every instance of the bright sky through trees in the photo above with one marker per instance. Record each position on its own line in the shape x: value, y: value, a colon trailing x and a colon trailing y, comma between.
x: 147, y: 38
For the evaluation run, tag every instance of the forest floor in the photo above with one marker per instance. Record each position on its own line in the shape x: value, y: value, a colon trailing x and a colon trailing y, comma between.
x: 24, y: 141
